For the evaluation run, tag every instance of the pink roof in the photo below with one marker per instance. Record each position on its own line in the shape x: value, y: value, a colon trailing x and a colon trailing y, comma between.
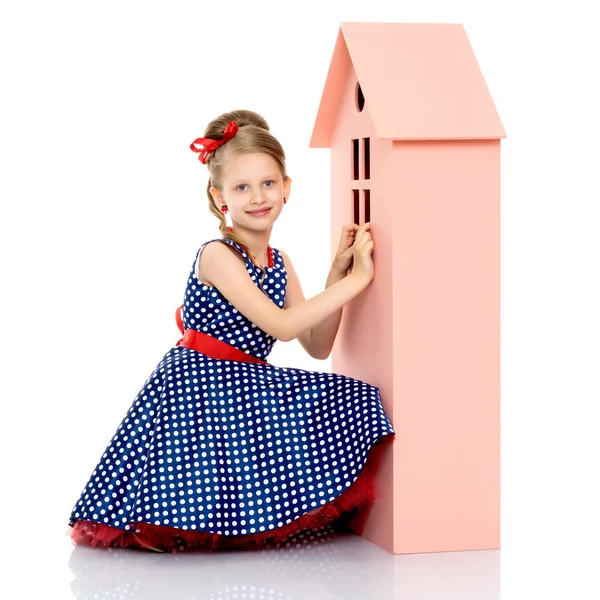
x: 420, y: 81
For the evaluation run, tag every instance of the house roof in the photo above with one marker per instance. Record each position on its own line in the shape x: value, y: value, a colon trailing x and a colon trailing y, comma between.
x: 420, y: 81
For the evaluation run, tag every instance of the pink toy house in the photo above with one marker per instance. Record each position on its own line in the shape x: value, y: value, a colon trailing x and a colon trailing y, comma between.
x: 415, y: 150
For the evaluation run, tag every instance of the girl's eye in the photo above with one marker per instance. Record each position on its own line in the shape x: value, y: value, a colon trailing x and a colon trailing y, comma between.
x: 242, y: 184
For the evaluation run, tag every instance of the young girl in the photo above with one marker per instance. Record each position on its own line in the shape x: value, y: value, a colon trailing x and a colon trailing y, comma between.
x: 221, y: 449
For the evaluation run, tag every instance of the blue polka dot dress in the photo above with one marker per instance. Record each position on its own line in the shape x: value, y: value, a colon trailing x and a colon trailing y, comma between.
x: 219, y: 453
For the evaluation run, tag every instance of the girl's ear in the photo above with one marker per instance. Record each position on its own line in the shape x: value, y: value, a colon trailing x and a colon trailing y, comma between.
x: 287, y: 186
x: 217, y: 196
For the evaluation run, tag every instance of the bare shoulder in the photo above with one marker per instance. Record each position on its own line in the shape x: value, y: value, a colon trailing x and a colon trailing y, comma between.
x: 220, y: 248
x: 213, y: 252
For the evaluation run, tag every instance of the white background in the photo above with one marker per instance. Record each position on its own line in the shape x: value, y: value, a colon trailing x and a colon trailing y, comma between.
x: 104, y: 207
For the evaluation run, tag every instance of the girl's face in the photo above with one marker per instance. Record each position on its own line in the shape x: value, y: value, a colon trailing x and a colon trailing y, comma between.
x: 252, y: 182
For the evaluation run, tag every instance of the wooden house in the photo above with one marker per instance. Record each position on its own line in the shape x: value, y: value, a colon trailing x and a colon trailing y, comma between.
x: 415, y: 149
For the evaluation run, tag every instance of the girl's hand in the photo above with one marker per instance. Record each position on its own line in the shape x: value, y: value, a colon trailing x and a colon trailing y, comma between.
x: 344, y: 255
x: 363, y: 246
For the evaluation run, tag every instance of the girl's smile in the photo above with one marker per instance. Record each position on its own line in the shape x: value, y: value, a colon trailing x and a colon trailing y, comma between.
x: 260, y: 213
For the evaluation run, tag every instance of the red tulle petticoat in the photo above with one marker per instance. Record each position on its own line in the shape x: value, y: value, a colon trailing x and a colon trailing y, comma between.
x: 342, y: 513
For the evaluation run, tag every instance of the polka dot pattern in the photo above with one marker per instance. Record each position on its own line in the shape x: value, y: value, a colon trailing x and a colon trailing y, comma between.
x: 232, y: 447
x: 206, y: 309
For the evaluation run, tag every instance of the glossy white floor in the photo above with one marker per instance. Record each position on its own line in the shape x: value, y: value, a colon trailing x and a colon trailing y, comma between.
x: 325, y: 565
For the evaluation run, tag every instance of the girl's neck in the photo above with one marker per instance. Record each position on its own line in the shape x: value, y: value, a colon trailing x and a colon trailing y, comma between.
x: 257, y: 243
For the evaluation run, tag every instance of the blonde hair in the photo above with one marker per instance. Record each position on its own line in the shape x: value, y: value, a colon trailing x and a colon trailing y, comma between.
x: 253, y: 135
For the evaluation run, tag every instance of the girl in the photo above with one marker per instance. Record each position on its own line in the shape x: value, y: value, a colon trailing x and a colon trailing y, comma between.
x: 221, y: 449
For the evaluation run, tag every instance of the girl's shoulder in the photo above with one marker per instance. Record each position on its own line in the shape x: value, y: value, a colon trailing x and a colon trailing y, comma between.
x: 236, y: 248
x: 280, y: 256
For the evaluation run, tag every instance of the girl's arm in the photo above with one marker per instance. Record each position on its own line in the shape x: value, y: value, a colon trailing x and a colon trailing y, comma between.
x: 317, y: 341
x: 293, y: 296
x: 229, y: 275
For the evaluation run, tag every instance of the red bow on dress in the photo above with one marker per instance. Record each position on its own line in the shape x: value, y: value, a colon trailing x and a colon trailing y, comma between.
x: 210, y: 145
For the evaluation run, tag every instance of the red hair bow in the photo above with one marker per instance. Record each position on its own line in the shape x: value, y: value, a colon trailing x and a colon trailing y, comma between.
x: 210, y: 145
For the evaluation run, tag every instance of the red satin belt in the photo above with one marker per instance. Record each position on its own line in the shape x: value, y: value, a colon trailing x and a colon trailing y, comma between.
x: 211, y: 346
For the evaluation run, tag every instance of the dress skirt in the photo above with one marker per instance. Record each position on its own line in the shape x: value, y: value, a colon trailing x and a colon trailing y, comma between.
x: 348, y: 511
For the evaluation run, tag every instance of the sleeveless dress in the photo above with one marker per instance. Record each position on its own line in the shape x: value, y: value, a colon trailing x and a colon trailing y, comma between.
x: 219, y: 453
